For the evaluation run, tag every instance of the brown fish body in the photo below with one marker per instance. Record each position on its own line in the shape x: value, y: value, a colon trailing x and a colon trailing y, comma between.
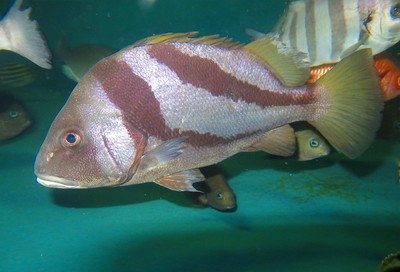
x: 13, y: 118
x: 159, y: 110
x: 219, y: 195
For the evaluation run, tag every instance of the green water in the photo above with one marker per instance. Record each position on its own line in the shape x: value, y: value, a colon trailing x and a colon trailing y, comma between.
x: 328, y: 215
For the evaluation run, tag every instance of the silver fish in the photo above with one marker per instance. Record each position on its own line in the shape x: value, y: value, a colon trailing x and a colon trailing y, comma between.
x: 162, y: 108
x: 329, y: 30
x: 21, y: 35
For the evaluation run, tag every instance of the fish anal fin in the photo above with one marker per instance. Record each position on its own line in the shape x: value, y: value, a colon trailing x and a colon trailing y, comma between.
x: 279, y: 141
x: 289, y: 65
x: 182, y: 181
x: 189, y: 38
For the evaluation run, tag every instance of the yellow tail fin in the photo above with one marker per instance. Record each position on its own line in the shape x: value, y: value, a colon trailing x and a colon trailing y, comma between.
x: 355, y: 104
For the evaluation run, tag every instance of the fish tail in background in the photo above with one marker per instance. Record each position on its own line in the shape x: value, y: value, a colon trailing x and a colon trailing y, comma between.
x: 355, y: 104
x: 20, y: 34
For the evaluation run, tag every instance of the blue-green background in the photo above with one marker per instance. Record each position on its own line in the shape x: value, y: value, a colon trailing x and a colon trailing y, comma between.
x: 328, y: 215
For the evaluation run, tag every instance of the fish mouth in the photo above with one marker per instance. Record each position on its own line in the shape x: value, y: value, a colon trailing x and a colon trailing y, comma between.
x: 55, y: 182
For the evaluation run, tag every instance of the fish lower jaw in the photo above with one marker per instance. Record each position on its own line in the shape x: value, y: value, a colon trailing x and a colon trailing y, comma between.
x: 54, y: 182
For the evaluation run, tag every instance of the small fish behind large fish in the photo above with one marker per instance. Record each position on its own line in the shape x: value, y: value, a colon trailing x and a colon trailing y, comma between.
x: 162, y: 108
x: 329, y: 30
x: 14, y: 119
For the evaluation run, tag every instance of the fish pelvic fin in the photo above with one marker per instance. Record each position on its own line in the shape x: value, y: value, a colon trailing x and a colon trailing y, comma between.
x: 182, y: 181
x: 290, y: 66
x: 356, y: 103
x: 23, y: 36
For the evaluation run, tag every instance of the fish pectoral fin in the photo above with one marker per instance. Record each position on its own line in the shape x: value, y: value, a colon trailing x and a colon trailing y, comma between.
x: 289, y: 65
x: 364, y: 37
x: 279, y: 141
x: 163, y: 153
x: 203, y: 200
x: 182, y: 181
x: 254, y: 34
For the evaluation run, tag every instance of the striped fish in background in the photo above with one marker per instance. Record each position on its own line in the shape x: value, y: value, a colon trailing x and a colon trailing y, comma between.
x: 170, y: 104
x: 329, y: 30
x: 16, y: 75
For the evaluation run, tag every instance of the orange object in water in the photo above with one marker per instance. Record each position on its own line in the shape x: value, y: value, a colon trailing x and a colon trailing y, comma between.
x: 386, y: 69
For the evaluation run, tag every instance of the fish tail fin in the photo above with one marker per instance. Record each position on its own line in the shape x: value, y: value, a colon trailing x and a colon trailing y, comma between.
x: 22, y: 36
x: 355, y: 106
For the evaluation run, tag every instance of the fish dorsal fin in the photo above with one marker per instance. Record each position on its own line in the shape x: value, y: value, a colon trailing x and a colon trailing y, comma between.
x: 189, y: 38
x: 289, y: 65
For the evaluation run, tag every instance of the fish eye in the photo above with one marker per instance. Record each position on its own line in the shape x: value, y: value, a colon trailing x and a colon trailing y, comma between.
x: 314, y: 143
x: 219, y: 195
x: 71, y: 139
x: 395, y: 11
x: 12, y: 114
x: 398, y: 125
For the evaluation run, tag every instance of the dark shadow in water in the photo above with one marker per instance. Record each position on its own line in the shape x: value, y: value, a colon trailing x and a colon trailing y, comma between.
x: 261, y: 161
x: 361, y: 168
x: 118, y: 196
x: 125, y: 195
x: 267, y: 248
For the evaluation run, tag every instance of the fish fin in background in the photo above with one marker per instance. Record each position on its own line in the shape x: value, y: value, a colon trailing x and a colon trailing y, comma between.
x: 16, y: 75
x: 23, y: 36
x: 254, y: 34
x: 350, y: 127
x: 188, y: 38
x: 182, y: 181
x: 290, y: 66
x: 165, y: 152
x: 280, y: 141
x: 363, y: 38
x: 69, y: 73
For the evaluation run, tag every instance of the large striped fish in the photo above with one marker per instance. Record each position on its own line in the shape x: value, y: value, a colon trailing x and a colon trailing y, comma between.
x: 329, y: 30
x: 162, y: 108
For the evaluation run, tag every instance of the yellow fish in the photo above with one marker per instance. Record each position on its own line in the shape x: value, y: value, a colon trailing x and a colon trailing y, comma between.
x: 218, y: 195
x: 311, y: 145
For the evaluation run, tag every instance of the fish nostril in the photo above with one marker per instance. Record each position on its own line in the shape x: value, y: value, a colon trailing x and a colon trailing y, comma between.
x: 49, y: 156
